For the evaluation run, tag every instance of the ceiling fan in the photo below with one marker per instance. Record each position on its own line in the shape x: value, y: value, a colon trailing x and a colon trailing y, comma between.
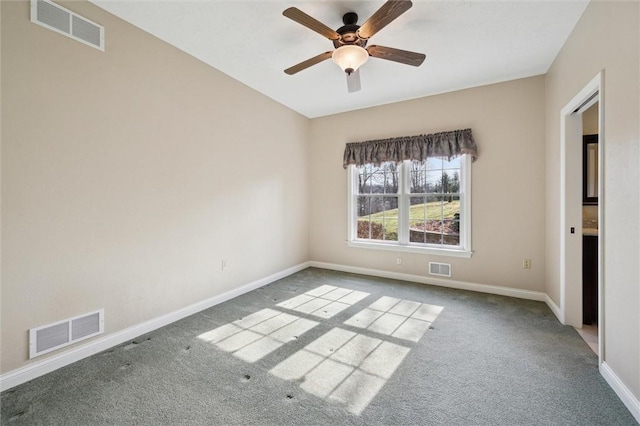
x: 350, y: 41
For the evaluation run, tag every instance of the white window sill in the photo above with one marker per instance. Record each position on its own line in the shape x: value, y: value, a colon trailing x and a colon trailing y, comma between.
x: 412, y: 249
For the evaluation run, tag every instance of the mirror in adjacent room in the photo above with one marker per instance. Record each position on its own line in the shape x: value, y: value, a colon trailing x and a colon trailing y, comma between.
x: 590, y: 169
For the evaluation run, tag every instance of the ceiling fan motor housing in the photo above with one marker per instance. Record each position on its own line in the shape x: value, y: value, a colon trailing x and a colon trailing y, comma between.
x: 349, y: 32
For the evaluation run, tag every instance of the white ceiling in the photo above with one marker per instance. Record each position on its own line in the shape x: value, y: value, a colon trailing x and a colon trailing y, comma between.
x: 467, y: 43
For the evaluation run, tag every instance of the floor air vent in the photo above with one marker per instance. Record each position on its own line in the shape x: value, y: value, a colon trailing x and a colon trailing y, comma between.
x: 62, y: 333
x: 442, y: 269
x: 64, y: 21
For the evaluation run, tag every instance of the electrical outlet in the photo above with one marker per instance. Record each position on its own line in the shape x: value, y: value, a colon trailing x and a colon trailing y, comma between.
x: 225, y: 264
x: 526, y: 263
x: 398, y: 261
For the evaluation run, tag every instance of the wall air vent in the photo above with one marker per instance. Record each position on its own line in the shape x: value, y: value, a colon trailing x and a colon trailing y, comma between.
x: 64, y: 21
x: 63, y: 333
x: 441, y: 269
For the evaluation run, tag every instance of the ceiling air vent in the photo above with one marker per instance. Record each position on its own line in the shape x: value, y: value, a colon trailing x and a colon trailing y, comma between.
x: 63, y: 333
x: 64, y: 21
x: 442, y: 269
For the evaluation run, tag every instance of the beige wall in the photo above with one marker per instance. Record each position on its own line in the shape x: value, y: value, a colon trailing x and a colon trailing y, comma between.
x: 128, y: 175
x: 606, y: 38
x: 507, y: 120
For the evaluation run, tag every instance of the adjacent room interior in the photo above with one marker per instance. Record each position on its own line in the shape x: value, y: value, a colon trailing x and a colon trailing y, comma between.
x: 247, y: 232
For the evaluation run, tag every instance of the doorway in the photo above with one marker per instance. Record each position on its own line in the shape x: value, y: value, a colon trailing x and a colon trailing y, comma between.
x: 571, y: 206
x: 590, y: 191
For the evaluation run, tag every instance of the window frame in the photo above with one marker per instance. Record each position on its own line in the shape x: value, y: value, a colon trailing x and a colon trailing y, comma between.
x: 403, y: 245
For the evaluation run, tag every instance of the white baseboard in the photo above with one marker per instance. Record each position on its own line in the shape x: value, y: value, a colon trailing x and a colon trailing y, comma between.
x: 461, y: 285
x: 47, y: 365
x: 554, y: 308
x: 623, y: 392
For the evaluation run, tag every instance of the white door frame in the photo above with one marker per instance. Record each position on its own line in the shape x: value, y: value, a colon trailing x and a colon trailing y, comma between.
x: 571, y: 206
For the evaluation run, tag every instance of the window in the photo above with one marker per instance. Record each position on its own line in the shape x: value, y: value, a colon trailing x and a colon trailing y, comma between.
x: 412, y: 206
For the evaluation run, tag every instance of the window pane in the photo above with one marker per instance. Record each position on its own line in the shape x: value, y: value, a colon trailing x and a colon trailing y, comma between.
x: 434, y: 207
x: 363, y: 207
x: 378, y: 179
x: 434, y: 181
x: 451, y: 207
x: 364, y: 228
x: 378, y: 217
x: 391, y: 178
x: 416, y: 231
x: 417, y: 209
x: 364, y: 179
x: 379, y: 228
x: 417, y: 224
x: 433, y: 232
x: 454, y: 163
x: 446, y: 183
x: 379, y: 205
x: 450, y: 236
x: 376, y: 204
x: 389, y: 219
x: 443, y: 220
x: 391, y: 207
x: 440, y: 176
x: 377, y: 182
x: 434, y: 163
x: 417, y: 201
x: 417, y: 236
x: 390, y: 230
x: 417, y: 177
x: 451, y: 181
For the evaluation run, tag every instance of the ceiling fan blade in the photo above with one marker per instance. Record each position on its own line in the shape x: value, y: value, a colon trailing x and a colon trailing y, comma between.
x: 353, y: 81
x: 309, y: 62
x: 396, y: 55
x: 313, y: 24
x: 383, y: 16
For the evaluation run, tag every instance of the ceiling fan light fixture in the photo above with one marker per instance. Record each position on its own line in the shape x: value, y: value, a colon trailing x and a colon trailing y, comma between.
x: 350, y: 57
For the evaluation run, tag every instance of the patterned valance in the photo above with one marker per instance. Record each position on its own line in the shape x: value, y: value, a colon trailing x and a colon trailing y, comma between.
x: 418, y: 148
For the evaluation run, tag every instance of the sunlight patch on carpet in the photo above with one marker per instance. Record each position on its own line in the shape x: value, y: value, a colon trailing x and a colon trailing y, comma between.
x: 256, y: 336
x: 325, y: 301
x: 403, y: 319
x: 344, y: 367
x: 348, y: 365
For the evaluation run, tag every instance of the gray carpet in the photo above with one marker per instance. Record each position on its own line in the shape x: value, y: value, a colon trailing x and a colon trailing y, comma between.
x: 353, y: 350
